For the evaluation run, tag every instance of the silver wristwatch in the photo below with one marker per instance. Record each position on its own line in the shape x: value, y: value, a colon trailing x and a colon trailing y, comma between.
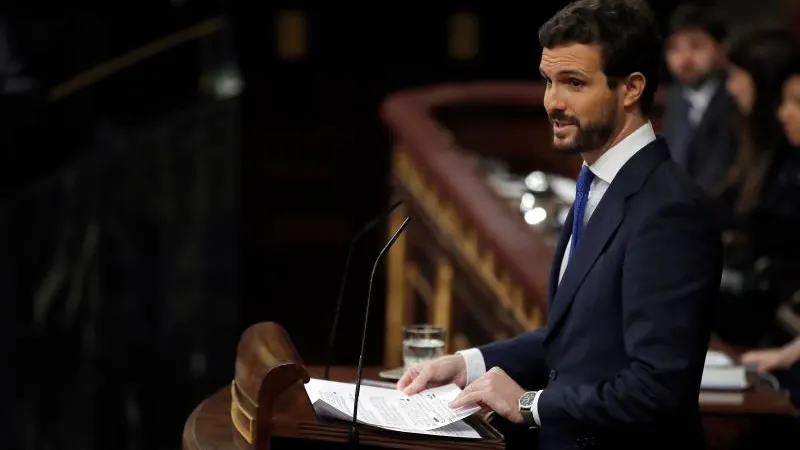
x: 526, y: 407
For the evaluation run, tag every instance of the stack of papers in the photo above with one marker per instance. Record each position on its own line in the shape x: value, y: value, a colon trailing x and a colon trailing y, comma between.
x: 724, y: 378
x: 718, y: 359
x: 721, y: 398
x: 720, y: 373
x: 424, y: 413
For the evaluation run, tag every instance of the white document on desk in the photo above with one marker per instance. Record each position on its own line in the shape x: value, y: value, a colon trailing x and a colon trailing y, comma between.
x: 718, y: 359
x: 724, y: 378
x: 424, y: 413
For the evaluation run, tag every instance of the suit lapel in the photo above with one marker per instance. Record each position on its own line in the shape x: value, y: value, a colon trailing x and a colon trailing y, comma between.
x: 599, y: 230
x: 604, y: 222
x: 719, y: 104
x: 558, y: 257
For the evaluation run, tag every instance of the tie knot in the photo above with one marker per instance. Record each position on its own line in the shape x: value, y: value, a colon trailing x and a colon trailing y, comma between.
x: 584, y: 180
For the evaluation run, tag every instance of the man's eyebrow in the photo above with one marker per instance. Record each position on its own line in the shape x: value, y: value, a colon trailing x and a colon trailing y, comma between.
x: 566, y: 73
x: 572, y: 73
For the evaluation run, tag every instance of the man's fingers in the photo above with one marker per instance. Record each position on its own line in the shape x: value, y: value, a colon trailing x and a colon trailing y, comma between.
x: 467, y: 398
x: 420, y: 382
x: 407, y: 378
x: 751, y: 357
x: 761, y: 361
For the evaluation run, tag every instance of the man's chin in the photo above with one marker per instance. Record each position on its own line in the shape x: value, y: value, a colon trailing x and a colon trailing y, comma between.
x: 566, y: 147
x: 695, y: 80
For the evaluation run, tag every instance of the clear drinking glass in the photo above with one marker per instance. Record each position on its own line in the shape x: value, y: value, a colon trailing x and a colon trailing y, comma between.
x: 422, y: 343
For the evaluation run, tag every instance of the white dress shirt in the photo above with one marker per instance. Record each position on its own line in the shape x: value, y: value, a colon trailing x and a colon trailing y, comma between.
x: 699, y: 99
x: 604, y: 169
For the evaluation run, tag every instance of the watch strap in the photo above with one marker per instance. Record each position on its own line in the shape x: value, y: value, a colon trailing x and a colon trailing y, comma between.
x: 526, y: 412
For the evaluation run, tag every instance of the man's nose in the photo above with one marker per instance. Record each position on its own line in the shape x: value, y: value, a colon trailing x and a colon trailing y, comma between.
x: 552, y: 101
x: 684, y: 60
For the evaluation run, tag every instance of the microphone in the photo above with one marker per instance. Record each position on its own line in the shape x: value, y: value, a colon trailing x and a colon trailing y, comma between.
x: 354, y: 427
x: 369, y: 226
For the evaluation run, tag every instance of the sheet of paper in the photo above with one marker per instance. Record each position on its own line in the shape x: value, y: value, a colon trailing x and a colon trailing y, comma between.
x: 458, y: 429
x: 725, y: 378
x: 425, y: 413
x: 715, y: 358
x: 721, y: 398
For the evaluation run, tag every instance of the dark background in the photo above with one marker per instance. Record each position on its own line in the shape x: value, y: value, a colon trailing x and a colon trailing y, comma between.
x: 147, y: 223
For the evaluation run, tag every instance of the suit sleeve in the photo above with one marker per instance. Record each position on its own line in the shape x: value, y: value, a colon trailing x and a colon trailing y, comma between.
x: 670, y: 278
x: 521, y: 357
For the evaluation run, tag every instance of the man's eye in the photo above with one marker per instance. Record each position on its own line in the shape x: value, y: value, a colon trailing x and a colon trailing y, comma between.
x: 575, y: 83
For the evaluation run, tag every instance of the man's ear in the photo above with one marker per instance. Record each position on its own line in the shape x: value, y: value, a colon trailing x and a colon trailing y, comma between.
x: 634, y: 87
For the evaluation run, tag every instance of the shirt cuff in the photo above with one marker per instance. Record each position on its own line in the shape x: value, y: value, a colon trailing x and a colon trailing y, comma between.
x: 535, y: 409
x: 476, y: 366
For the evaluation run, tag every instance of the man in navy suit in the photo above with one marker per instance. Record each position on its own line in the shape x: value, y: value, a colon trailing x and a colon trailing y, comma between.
x: 633, y: 282
x: 699, y: 113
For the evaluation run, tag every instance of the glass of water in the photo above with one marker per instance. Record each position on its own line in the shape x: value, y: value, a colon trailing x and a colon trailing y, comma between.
x: 422, y: 343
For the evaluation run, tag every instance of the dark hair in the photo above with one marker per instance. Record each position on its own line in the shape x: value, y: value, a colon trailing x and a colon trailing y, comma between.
x: 793, y: 67
x: 626, y: 31
x: 766, y: 53
x: 689, y: 16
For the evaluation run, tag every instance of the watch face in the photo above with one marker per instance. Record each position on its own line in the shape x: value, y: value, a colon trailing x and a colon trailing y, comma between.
x: 526, y: 401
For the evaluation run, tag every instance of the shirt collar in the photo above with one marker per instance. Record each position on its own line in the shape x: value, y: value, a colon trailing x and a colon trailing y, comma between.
x: 701, y: 96
x: 704, y: 89
x: 609, y: 164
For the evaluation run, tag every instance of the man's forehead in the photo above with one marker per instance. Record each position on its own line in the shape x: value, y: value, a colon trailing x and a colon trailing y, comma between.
x: 572, y: 57
x: 690, y: 34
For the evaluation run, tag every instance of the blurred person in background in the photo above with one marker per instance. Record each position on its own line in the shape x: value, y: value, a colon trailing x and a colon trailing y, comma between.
x: 698, y: 118
x: 789, y: 111
x: 756, y: 203
x: 784, y: 359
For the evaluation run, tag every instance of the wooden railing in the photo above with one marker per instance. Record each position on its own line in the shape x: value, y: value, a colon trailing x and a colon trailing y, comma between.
x: 468, y: 261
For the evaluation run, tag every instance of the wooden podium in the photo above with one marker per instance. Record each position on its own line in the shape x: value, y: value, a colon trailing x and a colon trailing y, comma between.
x: 266, y: 407
x: 269, y: 408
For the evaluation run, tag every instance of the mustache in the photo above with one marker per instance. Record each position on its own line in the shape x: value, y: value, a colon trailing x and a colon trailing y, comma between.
x: 563, y: 118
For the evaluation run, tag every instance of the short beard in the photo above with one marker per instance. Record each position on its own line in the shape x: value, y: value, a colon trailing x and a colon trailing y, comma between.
x: 702, y: 79
x: 589, y: 136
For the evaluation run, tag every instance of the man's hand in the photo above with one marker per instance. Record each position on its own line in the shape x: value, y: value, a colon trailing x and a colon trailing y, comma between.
x: 496, y: 391
x: 774, y: 358
x: 445, y: 370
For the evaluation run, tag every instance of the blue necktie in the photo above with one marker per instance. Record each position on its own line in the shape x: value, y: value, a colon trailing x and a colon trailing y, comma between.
x: 579, y: 208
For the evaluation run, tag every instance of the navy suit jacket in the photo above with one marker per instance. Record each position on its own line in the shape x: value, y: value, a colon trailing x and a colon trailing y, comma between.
x: 628, y: 327
x: 712, y: 147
